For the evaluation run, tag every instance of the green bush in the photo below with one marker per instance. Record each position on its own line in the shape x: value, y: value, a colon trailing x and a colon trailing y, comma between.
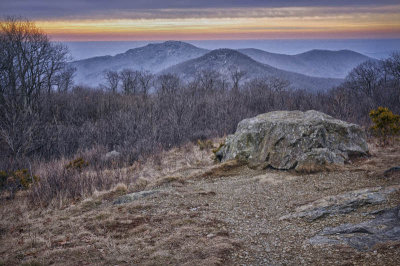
x: 78, y: 164
x: 386, y: 124
x: 20, y: 179
x: 205, y: 144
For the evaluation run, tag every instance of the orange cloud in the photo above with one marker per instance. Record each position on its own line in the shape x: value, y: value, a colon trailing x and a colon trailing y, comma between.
x: 300, y: 23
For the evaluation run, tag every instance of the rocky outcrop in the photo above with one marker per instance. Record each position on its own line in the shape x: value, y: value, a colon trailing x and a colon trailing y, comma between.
x: 305, y: 141
x: 385, y: 227
x: 342, y: 203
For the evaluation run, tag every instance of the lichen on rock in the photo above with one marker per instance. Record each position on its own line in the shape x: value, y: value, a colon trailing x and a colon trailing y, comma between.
x: 304, y: 141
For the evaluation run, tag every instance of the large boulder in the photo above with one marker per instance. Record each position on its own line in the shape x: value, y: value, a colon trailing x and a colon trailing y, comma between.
x: 305, y: 141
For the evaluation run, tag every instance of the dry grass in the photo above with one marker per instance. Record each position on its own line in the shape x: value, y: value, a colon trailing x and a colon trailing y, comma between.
x: 61, y: 185
x: 179, y: 162
x: 153, y: 231
x: 381, y: 159
x: 206, y: 215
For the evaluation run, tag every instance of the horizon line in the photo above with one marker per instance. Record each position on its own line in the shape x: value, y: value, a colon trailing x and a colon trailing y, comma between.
x: 249, y: 39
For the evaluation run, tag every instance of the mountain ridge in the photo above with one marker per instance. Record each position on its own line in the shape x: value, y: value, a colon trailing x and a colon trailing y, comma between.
x: 316, y: 62
x: 224, y: 60
x: 329, y: 66
x: 152, y: 57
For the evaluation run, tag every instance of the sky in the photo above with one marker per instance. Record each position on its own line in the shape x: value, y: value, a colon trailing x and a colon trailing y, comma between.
x: 135, y: 20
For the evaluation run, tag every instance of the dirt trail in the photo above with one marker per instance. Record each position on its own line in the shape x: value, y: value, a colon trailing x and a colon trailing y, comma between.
x: 210, y: 218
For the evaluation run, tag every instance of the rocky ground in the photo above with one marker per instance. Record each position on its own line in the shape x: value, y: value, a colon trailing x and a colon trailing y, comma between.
x: 221, y: 214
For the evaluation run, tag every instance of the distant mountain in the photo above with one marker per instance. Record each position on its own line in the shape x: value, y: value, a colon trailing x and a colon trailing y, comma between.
x: 318, y: 63
x: 189, y: 59
x: 152, y: 57
x: 223, y: 60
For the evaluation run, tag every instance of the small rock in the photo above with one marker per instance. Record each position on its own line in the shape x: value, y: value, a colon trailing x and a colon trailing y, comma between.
x: 112, y: 155
x: 134, y: 196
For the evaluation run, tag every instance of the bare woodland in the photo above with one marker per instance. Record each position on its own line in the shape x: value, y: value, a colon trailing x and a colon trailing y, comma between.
x: 45, y: 117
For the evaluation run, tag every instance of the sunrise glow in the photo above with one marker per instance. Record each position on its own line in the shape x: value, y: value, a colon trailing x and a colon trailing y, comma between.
x: 248, y: 23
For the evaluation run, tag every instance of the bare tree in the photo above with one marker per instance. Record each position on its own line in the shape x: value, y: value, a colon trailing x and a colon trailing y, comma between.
x: 365, y: 77
x: 28, y: 64
x: 207, y: 80
x: 112, y: 80
x: 64, y: 80
x: 277, y: 84
x: 393, y: 65
x: 237, y: 75
x: 56, y: 57
x: 168, y: 84
x: 129, y: 79
x: 145, y: 78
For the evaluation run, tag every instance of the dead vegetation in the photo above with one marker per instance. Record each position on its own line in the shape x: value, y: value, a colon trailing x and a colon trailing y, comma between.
x: 65, y: 181
x: 207, y: 214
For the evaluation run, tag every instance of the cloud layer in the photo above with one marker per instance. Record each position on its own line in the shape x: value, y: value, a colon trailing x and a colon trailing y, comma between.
x: 209, y: 19
x: 84, y: 9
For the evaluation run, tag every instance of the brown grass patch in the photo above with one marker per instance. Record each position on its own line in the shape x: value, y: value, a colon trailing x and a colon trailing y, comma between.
x: 223, y: 169
x: 61, y: 184
x: 124, y: 225
x: 168, y: 180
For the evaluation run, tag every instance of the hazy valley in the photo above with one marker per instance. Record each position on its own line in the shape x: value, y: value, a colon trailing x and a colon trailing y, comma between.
x: 318, y: 63
x: 316, y: 70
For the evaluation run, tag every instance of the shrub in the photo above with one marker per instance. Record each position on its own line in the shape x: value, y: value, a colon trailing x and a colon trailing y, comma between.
x: 205, y: 144
x: 78, y: 164
x: 16, y: 180
x: 386, y: 123
x: 60, y: 185
x: 215, y: 150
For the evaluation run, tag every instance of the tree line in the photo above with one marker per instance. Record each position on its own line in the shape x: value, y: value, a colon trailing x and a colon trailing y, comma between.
x: 44, y: 116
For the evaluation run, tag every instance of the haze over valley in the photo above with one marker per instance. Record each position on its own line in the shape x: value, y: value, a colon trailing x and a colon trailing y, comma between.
x: 375, y: 48
x: 315, y: 70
